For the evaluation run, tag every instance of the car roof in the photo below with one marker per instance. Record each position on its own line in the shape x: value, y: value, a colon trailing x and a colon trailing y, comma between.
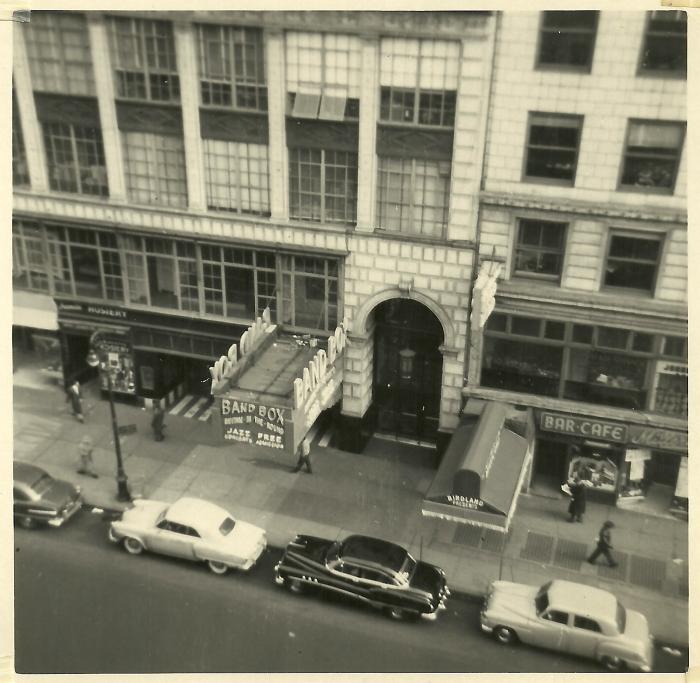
x: 579, y: 598
x: 26, y: 472
x: 201, y: 513
x: 369, y: 549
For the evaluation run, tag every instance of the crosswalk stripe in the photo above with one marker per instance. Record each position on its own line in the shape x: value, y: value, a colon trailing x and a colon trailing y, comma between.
x: 196, y: 407
x: 184, y: 401
x: 205, y: 415
x: 326, y: 438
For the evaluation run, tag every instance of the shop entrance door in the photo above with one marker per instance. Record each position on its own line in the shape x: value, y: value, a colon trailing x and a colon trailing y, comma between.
x: 407, y: 369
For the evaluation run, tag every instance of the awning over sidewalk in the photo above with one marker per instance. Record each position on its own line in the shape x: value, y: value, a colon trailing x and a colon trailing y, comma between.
x: 482, y: 471
x: 31, y: 309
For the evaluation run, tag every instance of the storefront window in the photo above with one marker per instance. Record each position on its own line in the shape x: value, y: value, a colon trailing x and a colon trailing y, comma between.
x: 671, y: 389
x: 596, y: 467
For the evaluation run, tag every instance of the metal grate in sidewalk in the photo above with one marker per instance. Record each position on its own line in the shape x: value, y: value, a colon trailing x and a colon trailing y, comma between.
x: 615, y: 573
x: 493, y: 541
x: 538, y: 547
x: 569, y: 554
x: 647, y: 572
x: 467, y: 534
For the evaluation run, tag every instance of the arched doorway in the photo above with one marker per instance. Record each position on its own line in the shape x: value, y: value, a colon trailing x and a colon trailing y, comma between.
x: 407, y: 369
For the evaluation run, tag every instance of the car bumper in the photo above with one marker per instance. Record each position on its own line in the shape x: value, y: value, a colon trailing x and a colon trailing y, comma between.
x: 486, y: 628
x: 253, y: 559
x: 63, y: 518
x: 113, y: 536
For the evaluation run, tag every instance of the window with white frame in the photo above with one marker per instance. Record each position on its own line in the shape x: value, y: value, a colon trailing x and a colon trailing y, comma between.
x: 539, y: 249
x: 155, y: 168
x: 418, y: 81
x: 665, y: 49
x: 552, y: 147
x: 323, y: 185
x: 309, y: 292
x: 231, y: 67
x: 632, y: 260
x: 413, y: 196
x: 652, y: 155
x: 237, y: 176
x: 323, y: 74
x: 567, y: 39
x: 58, y: 48
x: 143, y: 54
x: 75, y: 159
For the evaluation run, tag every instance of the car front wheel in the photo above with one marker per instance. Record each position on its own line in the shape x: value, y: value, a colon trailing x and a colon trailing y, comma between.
x: 612, y: 663
x: 217, y: 567
x: 133, y: 546
x: 294, y: 585
x: 504, y: 635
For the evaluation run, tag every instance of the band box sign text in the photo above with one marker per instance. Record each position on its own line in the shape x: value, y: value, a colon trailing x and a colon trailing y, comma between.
x: 254, y: 423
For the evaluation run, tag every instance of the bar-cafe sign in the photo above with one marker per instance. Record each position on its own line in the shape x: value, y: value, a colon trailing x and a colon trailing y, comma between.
x: 584, y: 427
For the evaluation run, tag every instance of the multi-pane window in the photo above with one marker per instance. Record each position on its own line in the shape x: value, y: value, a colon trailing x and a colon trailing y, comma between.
x: 231, y: 67
x: 58, y: 48
x: 539, y: 249
x: 632, y: 261
x: 665, y: 48
x: 552, y: 147
x: 155, y: 168
x: 237, y: 176
x: 413, y: 196
x: 143, y: 53
x: 324, y: 74
x: 323, y: 185
x: 652, y: 155
x: 75, y: 159
x: 580, y: 362
x: 20, y: 170
x: 567, y: 40
x: 238, y: 283
x: 309, y: 292
x: 419, y: 81
x: 28, y: 259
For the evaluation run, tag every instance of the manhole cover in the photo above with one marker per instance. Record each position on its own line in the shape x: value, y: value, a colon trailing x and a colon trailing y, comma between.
x: 493, y: 541
x: 569, y: 554
x: 647, y: 572
x: 468, y: 534
x: 538, y: 547
x: 616, y: 573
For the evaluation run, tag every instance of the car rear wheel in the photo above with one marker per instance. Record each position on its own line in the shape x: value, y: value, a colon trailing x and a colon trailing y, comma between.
x: 294, y: 585
x: 400, y: 614
x: 133, y: 546
x: 504, y: 635
x: 612, y: 663
x: 27, y: 522
x: 217, y: 567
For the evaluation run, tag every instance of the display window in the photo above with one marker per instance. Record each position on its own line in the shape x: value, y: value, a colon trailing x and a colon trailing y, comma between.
x: 598, y: 467
x: 120, y: 366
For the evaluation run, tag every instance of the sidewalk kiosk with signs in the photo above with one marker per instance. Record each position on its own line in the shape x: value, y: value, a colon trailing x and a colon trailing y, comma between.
x: 269, y: 389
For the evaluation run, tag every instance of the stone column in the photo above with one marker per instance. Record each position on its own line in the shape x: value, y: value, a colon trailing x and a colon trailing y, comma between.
x: 31, y: 130
x: 369, y: 114
x: 104, y: 85
x: 186, y: 55
x: 276, y: 102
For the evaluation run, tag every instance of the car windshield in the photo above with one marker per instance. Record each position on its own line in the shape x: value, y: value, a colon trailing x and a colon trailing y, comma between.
x: 621, y: 617
x: 542, y: 600
x: 227, y: 526
x: 42, y: 483
x: 333, y: 554
x: 407, y: 569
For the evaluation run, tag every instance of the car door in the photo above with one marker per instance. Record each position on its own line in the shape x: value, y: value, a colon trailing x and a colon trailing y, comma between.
x: 344, y: 577
x: 583, y: 636
x: 171, y: 538
x: 20, y: 500
x: 548, y: 629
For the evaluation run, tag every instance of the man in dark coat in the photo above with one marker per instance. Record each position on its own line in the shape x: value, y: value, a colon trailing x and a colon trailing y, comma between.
x: 604, y: 545
x: 304, y: 456
x: 75, y: 396
x: 157, y: 422
x: 577, y: 506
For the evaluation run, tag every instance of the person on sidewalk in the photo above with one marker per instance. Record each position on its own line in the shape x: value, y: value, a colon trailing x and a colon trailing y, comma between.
x: 157, y: 423
x: 604, y: 545
x: 577, y: 506
x: 75, y: 396
x: 86, y: 466
x: 304, y: 456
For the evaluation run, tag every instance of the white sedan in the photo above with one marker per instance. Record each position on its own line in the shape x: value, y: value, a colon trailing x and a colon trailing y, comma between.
x: 192, y: 529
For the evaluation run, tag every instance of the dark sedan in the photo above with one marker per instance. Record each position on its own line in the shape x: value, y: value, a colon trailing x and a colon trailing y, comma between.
x: 373, y: 571
x: 41, y: 499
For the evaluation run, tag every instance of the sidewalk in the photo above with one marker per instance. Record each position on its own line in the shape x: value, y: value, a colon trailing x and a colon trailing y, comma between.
x: 378, y: 492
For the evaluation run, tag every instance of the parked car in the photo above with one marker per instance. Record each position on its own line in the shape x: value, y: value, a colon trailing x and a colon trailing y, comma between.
x: 192, y: 529
x: 373, y: 571
x: 570, y: 617
x: 38, y: 498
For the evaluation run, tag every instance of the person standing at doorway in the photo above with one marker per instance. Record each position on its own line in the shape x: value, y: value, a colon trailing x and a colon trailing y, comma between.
x: 304, y: 456
x: 86, y: 466
x: 577, y: 506
x: 75, y: 396
x: 157, y: 422
x: 604, y: 545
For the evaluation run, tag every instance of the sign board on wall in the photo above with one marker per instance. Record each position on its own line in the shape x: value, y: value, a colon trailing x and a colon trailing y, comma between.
x: 660, y: 439
x: 255, y: 423
x: 585, y: 427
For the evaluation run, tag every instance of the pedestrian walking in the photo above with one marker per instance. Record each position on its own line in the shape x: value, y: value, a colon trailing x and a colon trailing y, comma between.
x: 604, y: 545
x: 577, y: 506
x: 304, y: 456
x: 157, y: 422
x: 74, y: 394
x: 86, y: 466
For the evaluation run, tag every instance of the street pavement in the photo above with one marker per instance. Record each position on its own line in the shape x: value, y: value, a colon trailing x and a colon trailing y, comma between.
x: 83, y: 605
x: 378, y: 492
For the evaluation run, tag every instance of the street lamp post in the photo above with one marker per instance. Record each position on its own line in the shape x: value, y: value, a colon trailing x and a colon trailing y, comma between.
x: 95, y: 359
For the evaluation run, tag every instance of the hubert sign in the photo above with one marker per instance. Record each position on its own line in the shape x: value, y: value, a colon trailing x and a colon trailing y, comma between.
x: 584, y: 427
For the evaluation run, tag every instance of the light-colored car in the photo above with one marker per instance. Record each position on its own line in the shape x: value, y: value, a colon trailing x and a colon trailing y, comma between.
x: 192, y: 529
x: 570, y: 617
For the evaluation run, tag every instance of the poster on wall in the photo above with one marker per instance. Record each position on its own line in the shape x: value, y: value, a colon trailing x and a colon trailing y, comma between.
x: 257, y: 424
x: 120, y: 365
